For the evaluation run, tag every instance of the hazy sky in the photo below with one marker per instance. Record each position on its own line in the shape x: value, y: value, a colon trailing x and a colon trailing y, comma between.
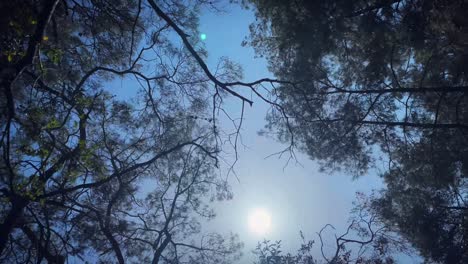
x: 298, y: 198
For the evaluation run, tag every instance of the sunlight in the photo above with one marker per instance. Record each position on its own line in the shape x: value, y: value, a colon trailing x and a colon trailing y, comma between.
x: 259, y: 221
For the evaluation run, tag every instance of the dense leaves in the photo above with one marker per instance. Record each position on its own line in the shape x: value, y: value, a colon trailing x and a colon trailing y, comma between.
x: 427, y: 195
x: 379, y: 80
x: 363, y: 73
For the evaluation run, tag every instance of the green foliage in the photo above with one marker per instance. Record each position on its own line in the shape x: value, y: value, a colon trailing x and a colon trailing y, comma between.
x: 54, y: 55
x: 54, y: 123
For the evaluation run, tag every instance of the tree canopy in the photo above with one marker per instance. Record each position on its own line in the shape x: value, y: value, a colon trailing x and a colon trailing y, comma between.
x: 363, y: 73
x: 378, y: 80
x: 88, y: 175
x: 426, y: 197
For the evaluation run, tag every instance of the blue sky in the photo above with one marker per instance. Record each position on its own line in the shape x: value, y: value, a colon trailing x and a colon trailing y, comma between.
x: 298, y: 197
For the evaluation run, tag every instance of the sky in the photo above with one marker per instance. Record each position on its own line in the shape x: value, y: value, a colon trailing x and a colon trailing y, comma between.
x: 298, y: 197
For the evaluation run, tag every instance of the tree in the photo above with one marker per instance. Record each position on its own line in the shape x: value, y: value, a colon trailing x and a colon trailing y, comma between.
x: 363, y: 73
x: 378, y: 80
x: 89, y: 175
x: 427, y: 197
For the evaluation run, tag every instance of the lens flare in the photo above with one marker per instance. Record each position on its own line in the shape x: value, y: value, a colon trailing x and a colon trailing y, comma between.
x: 259, y: 221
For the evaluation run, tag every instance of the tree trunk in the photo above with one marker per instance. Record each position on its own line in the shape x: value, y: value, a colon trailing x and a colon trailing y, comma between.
x: 42, y: 250
x: 16, y: 211
x: 160, y: 249
x: 114, y: 244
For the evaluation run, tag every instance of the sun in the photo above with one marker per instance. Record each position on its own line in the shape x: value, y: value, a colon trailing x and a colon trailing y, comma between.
x: 259, y: 221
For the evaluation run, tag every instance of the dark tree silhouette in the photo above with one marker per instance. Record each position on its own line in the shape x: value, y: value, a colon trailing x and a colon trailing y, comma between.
x: 427, y: 196
x: 379, y: 80
x: 363, y: 73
